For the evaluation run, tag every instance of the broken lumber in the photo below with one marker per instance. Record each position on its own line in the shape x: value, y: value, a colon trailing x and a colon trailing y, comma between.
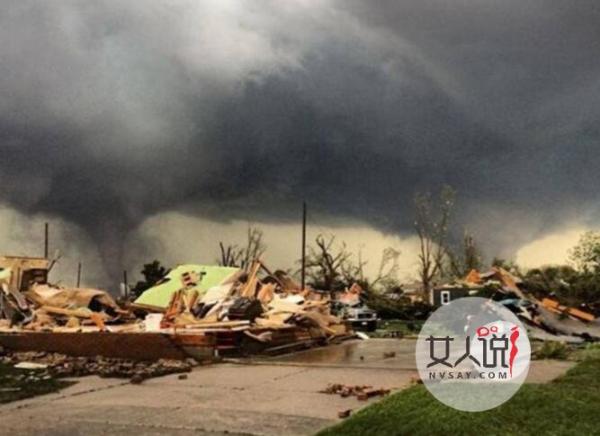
x: 79, y: 313
x: 556, y: 307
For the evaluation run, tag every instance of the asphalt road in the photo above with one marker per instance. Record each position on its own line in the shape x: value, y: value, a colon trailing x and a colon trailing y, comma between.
x: 262, y: 396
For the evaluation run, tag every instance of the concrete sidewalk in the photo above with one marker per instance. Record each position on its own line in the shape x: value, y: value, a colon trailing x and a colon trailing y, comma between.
x: 270, y: 396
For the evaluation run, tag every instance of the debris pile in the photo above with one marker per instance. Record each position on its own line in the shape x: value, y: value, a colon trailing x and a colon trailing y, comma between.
x: 60, y: 365
x: 192, y: 307
x: 545, y: 320
x: 29, y: 302
x: 361, y: 392
x: 495, y: 281
x: 555, y: 307
x: 254, y: 302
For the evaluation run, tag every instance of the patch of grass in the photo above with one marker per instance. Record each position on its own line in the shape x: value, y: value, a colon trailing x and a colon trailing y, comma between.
x: 569, y: 405
x: 552, y: 350
x: 589, y: 351
x: 17, y: 384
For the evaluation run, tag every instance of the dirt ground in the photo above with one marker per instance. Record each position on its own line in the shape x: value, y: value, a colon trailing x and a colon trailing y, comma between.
x: 259, y: 396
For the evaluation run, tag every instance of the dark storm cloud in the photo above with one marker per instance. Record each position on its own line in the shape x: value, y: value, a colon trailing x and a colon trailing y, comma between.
x: 111, y: 111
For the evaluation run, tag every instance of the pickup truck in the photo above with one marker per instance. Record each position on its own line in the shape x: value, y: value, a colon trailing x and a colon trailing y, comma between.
x: 361, y: 316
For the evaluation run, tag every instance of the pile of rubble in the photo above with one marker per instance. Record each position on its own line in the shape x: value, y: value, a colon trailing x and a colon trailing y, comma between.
x: 269, y: 310
x: 29, y: 302
x: 545, y: 319
x: 245, y: 301
x: 59, y: 365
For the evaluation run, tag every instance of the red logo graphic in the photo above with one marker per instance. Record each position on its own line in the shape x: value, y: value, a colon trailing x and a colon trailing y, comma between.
x: 484, y: 331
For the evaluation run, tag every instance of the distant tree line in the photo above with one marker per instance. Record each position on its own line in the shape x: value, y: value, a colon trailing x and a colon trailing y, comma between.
x: 332, y: 266
x: 576, y: 283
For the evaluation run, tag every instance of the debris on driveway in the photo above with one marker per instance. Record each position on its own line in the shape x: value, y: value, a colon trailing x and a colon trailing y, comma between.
x: 361, y: 392
x: 344, y: 413
x: 416, y: 380
x: 60, y: 365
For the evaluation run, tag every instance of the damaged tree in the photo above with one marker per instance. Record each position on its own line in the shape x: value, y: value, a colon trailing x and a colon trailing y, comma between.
x: 388, y: 269
x: 325, y: 264
x: 233, y: 256
x: 333, y: 267
x: 431, y: 224
x: 466, y: 258
x: 386, y: 273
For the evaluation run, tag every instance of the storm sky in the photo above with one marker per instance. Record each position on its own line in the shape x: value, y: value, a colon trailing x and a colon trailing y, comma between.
x: 115, y: 112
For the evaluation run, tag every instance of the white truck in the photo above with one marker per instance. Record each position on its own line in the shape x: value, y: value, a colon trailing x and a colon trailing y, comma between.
x: 361, y: 316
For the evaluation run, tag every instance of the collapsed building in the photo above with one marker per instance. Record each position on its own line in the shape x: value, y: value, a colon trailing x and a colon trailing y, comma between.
x: 194, y: 311
x: 545, y: 319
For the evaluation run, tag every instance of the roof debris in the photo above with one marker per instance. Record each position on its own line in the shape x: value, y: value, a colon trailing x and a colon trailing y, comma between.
x: 546, y: 319
x: 222, y: 309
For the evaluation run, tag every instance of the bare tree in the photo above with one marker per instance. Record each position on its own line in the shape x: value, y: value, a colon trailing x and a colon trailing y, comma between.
x: 386, y: 273
x: 466, y: 258
x: 388, y: 269
x: 354, y: 272
x: 232, y: 255
x: 331, y: 266
x: 326, y: 263
x: 431, y: 224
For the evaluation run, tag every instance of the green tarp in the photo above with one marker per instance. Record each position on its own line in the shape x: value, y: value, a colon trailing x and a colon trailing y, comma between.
x: 159, y: 296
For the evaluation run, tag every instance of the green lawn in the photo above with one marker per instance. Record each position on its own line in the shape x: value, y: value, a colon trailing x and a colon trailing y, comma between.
x: 569, y: 405
x: 17, y: 384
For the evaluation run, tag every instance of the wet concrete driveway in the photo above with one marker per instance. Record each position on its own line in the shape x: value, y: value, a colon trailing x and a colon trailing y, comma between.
x: 374, y: 354
x: 273, y: 396
x: 263, y: 396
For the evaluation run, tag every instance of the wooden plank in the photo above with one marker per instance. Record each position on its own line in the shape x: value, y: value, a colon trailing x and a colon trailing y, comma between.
x: 249, y: 290
x: 218, y: 324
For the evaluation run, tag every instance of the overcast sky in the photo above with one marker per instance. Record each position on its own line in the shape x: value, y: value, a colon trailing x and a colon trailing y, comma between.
x: 113, y: 113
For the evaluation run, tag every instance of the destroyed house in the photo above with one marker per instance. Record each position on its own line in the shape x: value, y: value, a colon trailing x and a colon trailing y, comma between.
x: 476, y: 283
x: 20, y: 272
x: 198, y: 311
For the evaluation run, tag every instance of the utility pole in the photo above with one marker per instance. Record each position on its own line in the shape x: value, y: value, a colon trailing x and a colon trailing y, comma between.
x: 79, y: 274
x: 303, y: 245
x: 46, y: 240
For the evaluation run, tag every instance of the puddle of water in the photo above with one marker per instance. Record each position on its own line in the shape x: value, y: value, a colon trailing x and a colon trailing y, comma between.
x: 386, y: 352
